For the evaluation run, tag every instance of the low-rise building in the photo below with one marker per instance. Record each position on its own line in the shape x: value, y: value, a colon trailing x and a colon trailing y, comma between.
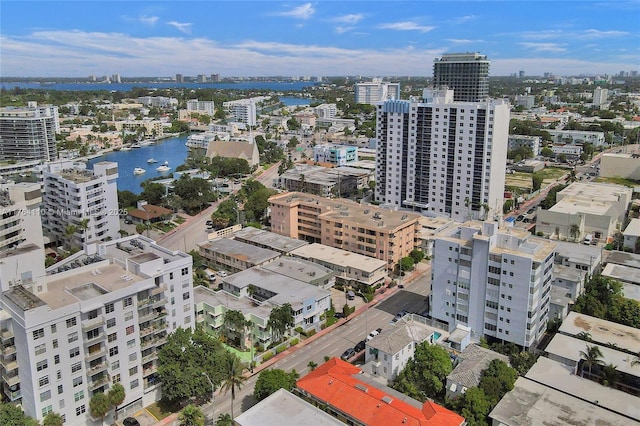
x: 585, y: 208
x: 268, y: 240
x: 383, y: 234
x: 577, y: 137
x: 468, y: 368
x: 387, y: 354
x: 348, y: 267
x: 632, y: 234
x: 234, y: 256
x: 622, y: 165
x: 325, y: 181
x: 348, y: 395
x: 234, y: 149
x: 302, y: 270
x: 340, y: 155
x: 519, y: 141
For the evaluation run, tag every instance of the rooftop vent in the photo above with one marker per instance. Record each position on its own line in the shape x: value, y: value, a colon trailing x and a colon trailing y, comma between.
x: 376, y: 215
x: 366, y: 211
x: 362, y: 387
x: 387, y: 399
x: 404, y: 216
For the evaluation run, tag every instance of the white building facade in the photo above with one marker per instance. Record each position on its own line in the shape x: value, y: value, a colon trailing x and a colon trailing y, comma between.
x: 29, y: 133
x: 376, y: 91
x: 442, y: 157
x: 76, y: 332
x: 20, y: 215
x: 71, y: 194
x: 495, y: 281
x: 203, y: 107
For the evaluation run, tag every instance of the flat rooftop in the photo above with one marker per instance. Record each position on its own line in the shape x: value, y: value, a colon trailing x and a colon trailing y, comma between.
x: 533, y: 404
x: 633, y: 228
x: 339, y: 257
x: 623, y: 258
x: 222, y: 298
x: 241, y: 251
x: 298, y: 269
x: 572, y: 205
x: 578, y: 253
x: 567, y: 273
x: 561, y: 378
x: 395, y: 337
x: 602, y: 331
x: 622, y: 273
x: 592, y: 191
x: 277, y: 242
x: 283, y: 408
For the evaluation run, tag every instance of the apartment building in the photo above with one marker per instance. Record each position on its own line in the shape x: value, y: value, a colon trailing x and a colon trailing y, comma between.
x: 466, y: 73
x: 519, y: 141
x: 20, y: 215
x: 71, y: 194
x: 29, y: 133
x: 442, y: 157
x: 494, y: 280
x: 376, y: 91
x: 573, y: 137
x: 326, y: 110
x: 368, y: 230
x: 158, y: 101
x: 94, y: 320
x: 244, y: 110
x: 234, y: 256
x: 147, y: 126
x: 202, y: 107
x: 339, y: 155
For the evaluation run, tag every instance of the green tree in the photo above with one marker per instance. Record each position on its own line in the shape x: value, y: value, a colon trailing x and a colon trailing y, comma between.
x: 522, y: 361
x: 416, y: 255
x: 591, y: 357
x: 536, y: 181
x: 191, y: 415
x: 233, y: 377
x: 52, y: 419
x: 312, y: 365
x: 407, y: 263
x: 473, y: 406
x: 194, y: 193
x: 574, y: 231
x: 10, y: 415
x: 497, y: 379
x: 224, y: 419
x: 425, y: 373
x: 126, y: 199
x: 152, y: 193
x: 83, y: 226
x: 234, y: 324
x: 280, y: 320
x: 181, y: 361
x: 116, y: 396
x: 99, y: 406
x: 610, y: 375
x: 269, y: 381
x: 69, y: 231
x: 547, y: 152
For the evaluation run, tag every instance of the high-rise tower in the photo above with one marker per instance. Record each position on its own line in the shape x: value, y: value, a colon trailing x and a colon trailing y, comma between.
x: 466, y: 73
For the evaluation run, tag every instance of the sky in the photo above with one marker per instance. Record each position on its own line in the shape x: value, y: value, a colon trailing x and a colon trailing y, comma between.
x: 321, y: 38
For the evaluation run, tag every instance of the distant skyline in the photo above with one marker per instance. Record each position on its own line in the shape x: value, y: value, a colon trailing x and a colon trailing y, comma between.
x: 297, y: 38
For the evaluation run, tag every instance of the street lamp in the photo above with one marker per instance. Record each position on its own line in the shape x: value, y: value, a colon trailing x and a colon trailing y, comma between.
x: 213, y: 389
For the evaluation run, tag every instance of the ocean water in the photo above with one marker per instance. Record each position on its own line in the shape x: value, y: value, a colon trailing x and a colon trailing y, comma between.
x: 172, y: 150
x: 125, y: 87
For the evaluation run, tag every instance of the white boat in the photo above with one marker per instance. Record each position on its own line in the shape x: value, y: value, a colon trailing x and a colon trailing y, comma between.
x: 135, y: 145
x: 163, y: 168
x: 138, y: 171
x: 126, y: 148
x: 151, y: 161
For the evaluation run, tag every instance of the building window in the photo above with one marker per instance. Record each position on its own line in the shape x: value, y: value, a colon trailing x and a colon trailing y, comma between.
x: 73, y: 337
x: 113, y: 351
x: 109, y: 308
x: 74, y: 352
x: 46, y: 410
x: 60, y: 389
x: 111, y: 322
x: 133, y: 371
x: 170, y: 275
x: 116, y: 378
x: 134, y: 384
x: 131, y: 343
x: 45, y: 396
x: 41, y: 365
x: 115, y: 365
x: 77, y: 381
x: 127, y: 302
x: 40, y: 349
x: 38, y: 334
x: 130, y: 330
x: 133, y: 356
x: 55, y: 343
x: 128, y: 316
x: 76, y: 367
x: 185, y: 296
x: 54, y: 328
x: 184, y: 271
x: 71, y: 322
x: 43, y: 381
x: 56, y: 359
x: 112, y: 337
x: 81, y: 410
x: 78, y: 396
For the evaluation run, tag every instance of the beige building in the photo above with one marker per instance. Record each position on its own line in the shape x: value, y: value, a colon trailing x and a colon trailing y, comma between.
x: 596, y: 208
x: 383, y: 234
x: 150, y: 127
x: 234, y: 149
x: 620, y: 165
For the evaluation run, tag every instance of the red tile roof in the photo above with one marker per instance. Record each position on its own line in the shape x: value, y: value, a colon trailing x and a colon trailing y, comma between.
x: 150, y: 211
x: 336, y: 383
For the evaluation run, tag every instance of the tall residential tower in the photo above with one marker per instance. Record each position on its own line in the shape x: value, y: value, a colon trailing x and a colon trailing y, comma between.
x: 466, y: 73
x: 442, y: 157
x: 28, y: 133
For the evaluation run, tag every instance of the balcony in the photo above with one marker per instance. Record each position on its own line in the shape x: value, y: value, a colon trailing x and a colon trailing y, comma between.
x: 147, y: 316
x: 8, y: 350
x: 150, y: 357
x: 97, y: 368
x: 15, y: 395
x: 152, y: 303
x: 92, y: 323
x: 10, y: 379
x: 9, y: 364
x: 150, y: 370
x: 158, y: 290
x: 100, y: 381
x: 91, y: 356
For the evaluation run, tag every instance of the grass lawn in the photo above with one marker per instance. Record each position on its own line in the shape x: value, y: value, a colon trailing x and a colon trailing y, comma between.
x: 160, y: 410
x: 551, y: 173
x: 244, y: 356
x: 179, y: 220
x: 618, y: 181
x: 164, y: 226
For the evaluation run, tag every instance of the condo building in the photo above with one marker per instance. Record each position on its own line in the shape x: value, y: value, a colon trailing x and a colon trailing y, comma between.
x: 73, y: 194
x: 495, y: 281
x: 20, y: 215
x: 374, y: 232
x: 376, y: 91
x: 466, y: 73
x: 29, y: 133
x: 244, y: 110
x: 94, y: 320
x: 442, y: 157
x: 203, y: 107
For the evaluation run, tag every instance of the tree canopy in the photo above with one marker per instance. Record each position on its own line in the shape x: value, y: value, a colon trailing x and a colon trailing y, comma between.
x: 183, y: 359
x: 280, y: 320
x: 191, y: 415
x: 10, y: 415
x: 99, y: 405
x: 425, y: 374
x: 269, y: 381
x: 603, y: 298
x: 194, y: 193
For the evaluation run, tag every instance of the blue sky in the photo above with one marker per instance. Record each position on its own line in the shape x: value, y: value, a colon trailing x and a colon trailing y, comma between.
x: 298, y: 38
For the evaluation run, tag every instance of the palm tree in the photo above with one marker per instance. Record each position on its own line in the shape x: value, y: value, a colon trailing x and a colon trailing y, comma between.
x: 52, y: 419
x: 312, y: 365
x: 574, y: 231
x: 592, y: 356
x: 584, y: 335
x: 191, y: 416
x: 609, y: 375
x: 116, y: 397
x: 84, y: 225
x: 224, y: 419
x: 99, y: 406
x: 233, y: 377
x: 68, y: 233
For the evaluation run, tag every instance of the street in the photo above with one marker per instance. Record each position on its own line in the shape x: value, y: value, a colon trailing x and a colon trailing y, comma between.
x: 333, y: 344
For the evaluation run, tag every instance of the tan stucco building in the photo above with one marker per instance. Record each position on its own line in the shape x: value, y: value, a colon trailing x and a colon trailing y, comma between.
x: 383, y: 234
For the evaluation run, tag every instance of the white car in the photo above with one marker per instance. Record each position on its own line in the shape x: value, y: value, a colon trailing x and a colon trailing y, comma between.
x: 222, y: 273
x: 373, y: 334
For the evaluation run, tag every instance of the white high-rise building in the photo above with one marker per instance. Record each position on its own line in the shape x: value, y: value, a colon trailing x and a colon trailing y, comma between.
x: 29, y: 133
x: 203, y: 107
x: 20, y: 215
x: 71, y: 193
x: 243, y: 110
x: 376, y: 91
x: 600, y: 96
x: 97, y: 319
x: 442, y: 157
x: 495, y: 281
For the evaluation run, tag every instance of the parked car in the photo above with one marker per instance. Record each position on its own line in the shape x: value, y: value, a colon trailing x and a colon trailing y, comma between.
x: 359, y: 347
x: 349, y: 353
x: 373, y: 334
x: 379, y: 330
x: 130, y: 421
x: 338, y: 315
x: 222, y: 273
x: 128, y: 221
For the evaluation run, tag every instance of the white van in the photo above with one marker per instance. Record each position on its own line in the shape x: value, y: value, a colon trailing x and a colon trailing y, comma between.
x: 588, y: 239
x: 210, y: 274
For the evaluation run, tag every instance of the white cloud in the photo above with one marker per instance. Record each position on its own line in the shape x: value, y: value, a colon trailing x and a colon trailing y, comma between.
x: 304, y: 12
x: 601, y: 34
x: 342, y: 30
x: 406, y: 26
x: 148, y: 20
x: 352, y: 18
x: 544, y: 47
x: 184, y: 27
x: 579, y: 35
x: 463, y: 41
x: 463, y: 19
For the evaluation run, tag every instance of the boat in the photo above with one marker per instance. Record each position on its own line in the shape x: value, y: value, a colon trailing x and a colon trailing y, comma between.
x: 135, y: 145
x: 163, y: 168
x: 138, y: 171
x: 126, y: 148
x: 151, y: 161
